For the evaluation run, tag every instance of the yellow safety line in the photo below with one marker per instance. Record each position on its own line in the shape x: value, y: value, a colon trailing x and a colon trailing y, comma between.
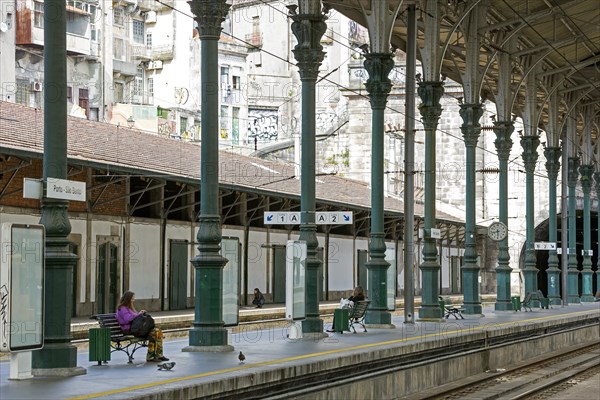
x: 304, y: 356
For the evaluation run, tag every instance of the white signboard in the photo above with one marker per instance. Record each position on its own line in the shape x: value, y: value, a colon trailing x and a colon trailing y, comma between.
x: 321, y: 218
x: 295, y: 290
x: 21, y: 287
x: 65, y: 190
x: 544, y: 245
x: 436, y: 233
x: 587, y: 253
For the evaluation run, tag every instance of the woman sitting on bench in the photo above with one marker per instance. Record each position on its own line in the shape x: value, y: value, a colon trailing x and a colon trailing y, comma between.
x: 358, y: 295
x: 126, y: 313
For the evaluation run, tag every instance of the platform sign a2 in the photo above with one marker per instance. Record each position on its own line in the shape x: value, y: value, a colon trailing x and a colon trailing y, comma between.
x: 21, y: 287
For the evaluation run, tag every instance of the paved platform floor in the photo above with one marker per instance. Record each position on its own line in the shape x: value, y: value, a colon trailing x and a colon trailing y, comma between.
x: 264, y: 349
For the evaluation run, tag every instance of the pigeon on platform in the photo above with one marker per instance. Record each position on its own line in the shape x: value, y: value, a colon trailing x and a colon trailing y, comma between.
x: 166, y: 366
x: 242, y: 357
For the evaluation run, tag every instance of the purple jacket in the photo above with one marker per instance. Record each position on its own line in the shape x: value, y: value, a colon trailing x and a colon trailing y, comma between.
x: 125, y: 315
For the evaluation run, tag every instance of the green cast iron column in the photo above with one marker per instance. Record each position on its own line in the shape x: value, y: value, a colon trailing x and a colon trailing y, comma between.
x: 430, y: 109
x: 597, y: 179
x: 530, y: 156
x: 573, y: 284
x: 587, y: 274
x: 309, y: 29
x: 379, y: 66
x: 58, y: 356
x: 208, y: 332
x: 470, y: 114
x: 553, y: 155
x: 503, y: 142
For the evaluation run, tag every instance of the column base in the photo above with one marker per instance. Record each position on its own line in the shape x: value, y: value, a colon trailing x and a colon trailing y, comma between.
x: 312, y: 325
x: 574, y: 299
x: 588, y: 299
x: 555, y: 301
x: 208, y: 349
x: 208, y: 337
x: 378, y: 317
x: 428, y: 313
x: 472, y: 308
x: 503, y: 305
x: 56, y: 359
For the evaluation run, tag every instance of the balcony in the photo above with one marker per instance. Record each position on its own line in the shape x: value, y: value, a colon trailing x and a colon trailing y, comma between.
x: 254, y: 40
x: 162, y: 53
x: 78, y: 44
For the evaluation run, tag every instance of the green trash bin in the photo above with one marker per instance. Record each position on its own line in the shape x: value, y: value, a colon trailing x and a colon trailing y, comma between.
x: 99, y: 344
x: 516, y: 302
x: 545, y: 302
x: 340, y: 317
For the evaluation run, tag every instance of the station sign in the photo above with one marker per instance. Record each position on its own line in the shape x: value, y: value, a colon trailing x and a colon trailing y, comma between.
x: 321, y: 218
x: 55, y: 189
x: 544, y: 245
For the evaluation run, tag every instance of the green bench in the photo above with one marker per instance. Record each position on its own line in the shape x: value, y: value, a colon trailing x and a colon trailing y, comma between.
x: 449, y: 309
x: 356, y: 315
x: 120, y: 341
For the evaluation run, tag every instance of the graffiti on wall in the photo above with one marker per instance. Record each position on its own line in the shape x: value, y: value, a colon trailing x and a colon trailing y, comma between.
x: 262, y: 124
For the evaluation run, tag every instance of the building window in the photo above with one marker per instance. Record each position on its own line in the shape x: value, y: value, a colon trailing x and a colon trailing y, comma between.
x: 22, y: 95
x: 224, y: 122
x: 118, y: 17
x: 118, y: 52
x: 235, y: 126
x: 93, y: 18
x: 237, y: 82
x: 38, y: 14
x: 118, y: 92
x: 69, y: 94
x: 84, y: 100
x: 182, y: 125
x: 149, y: 40
x: 138, y: 31
x: 151, y: 87
x: 138, y: 83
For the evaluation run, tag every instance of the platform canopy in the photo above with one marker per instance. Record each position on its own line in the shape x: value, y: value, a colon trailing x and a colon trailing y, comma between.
x: 560, y: 37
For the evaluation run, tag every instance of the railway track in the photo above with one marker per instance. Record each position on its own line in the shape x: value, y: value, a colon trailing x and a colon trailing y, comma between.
x: 537, y: 379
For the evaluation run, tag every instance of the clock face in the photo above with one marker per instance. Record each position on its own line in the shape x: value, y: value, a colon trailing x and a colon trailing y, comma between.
x: 497, y: 231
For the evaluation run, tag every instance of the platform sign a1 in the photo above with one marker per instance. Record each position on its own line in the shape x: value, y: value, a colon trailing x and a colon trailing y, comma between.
x: 295, y: 290
x: 21, y: 287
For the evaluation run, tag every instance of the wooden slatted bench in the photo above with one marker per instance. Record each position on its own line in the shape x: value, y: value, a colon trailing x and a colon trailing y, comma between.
x: 357, y: 314
x: 120, y: 341
x: 450, y: 309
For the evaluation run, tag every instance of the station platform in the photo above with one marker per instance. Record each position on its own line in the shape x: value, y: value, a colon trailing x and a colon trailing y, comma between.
x: 276, y: 365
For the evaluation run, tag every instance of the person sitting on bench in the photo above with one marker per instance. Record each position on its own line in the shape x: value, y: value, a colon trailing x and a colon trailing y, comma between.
x: 126, y: 313
x: 259, y: 298
x: 357, y: 295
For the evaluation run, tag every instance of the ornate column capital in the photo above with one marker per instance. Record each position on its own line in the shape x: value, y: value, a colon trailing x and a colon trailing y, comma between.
x: 503, y: 142
x: 209, y: 14
x: 574, y: 163
x: 530, y: 154
x: 309, y: 29
x: 586, y: 171
x: 430, y: 93
x: 552, y: 155
x: 470, y: 114
x: 379, y: 66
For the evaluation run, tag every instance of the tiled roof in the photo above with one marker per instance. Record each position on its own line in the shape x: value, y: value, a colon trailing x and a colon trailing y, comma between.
x: 117, y: 148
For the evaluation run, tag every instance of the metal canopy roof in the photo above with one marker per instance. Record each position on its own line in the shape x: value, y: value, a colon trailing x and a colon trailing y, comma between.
x: 560, y: 37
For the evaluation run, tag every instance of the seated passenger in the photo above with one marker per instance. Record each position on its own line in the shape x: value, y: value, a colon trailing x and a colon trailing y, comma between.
x: 126, y: 313
x: 357, y: 295
x: 259, y: 299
